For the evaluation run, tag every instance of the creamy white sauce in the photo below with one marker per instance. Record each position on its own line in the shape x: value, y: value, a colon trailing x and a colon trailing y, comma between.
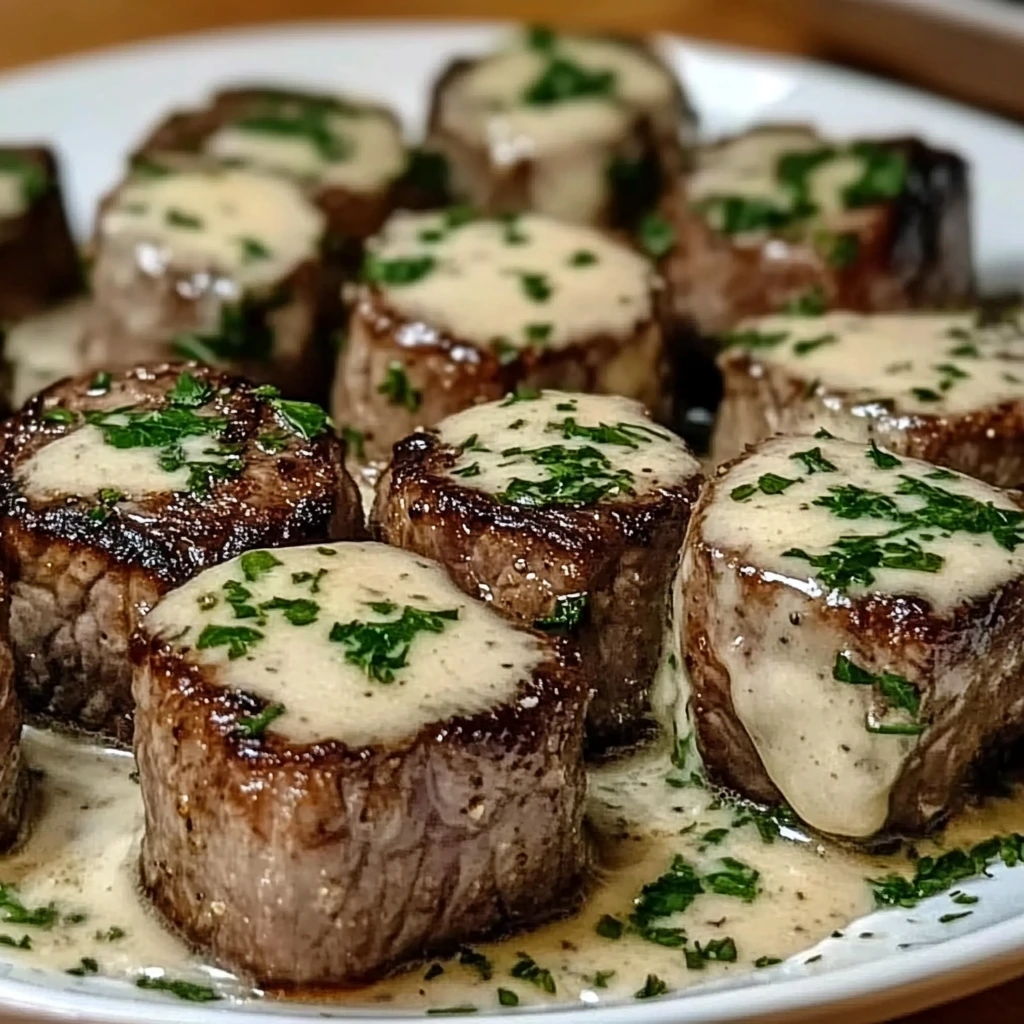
x: 44, y: 348
x: 370, y: 141
x: 12, y: 194
x: 810, y: 729
x: 82, y: 462
x: 569, y: 142
x: 924, y: 364
x: 654, y: 458
x: 255, y: 227
x: 474, y: 665
x: 747, y: 167
x: 479, y: 288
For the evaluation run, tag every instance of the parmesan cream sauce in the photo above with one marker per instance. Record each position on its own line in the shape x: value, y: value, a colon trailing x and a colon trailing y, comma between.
x: 656, y: 458
x: 12, y: 194
x: 370, y: 141
x: 474, y: 664
x: 922, y: 363
x: 42, y: 349
x: 485, y: 289
x: 254, y: 227
x: 838, y: 779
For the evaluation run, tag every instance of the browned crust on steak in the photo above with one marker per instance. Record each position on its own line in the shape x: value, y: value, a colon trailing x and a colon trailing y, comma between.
x: 968, y: 666
x: 14, y: 779
x: 519, y: 560
x: 323, y: 865
x: 39, y: 263
x: 762, y: 399
x: 451, y: 374
x: 913, y: 252
x: 350, y: 215
x: 654, y: 153
x: 80, y: 586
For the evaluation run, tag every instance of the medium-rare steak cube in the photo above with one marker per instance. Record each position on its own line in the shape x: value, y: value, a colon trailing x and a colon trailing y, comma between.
x: 40, y: 350
x: 346, y: 764
x: 13, y: 774
x: 347, y: 154
x: 781, y: 216
x: 851, y: 629
x: 456, y: 310
x: 118, y: 487
x: 564, y: 511
x: 220, y: 265
x: 39, y: 263
x: 947, y: 388
x: 582, y: 128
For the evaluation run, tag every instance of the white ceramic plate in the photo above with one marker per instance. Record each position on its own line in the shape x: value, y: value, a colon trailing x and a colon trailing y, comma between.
x: 96, y: 106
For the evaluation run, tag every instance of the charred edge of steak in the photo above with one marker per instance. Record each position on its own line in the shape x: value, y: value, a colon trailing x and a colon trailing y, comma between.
x: 479, y: 540
x: 303, y: 493
x: 333, y: 816
x: 14, y: 774
x: 39, y: 264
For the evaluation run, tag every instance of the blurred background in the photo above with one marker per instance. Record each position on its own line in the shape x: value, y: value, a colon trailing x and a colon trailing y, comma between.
x: 969, y: 49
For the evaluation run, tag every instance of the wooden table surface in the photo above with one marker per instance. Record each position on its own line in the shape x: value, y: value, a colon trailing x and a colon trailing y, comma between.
x: 33, y: 30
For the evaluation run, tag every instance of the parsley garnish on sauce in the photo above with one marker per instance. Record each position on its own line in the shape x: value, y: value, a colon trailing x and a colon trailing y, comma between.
x: 237, y: 639
x: 381, y: 648
x: 898, y: 693
x: 395, y: 273
x: 397, y: 389
x: 569, y: 612
x: 182, y: 989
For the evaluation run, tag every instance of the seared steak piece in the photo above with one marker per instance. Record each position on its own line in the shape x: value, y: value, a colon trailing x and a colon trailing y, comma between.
x: 456, y: 310
x: 369, y: 768
x: 42, y: 349
x: 13, y: 774
x: 781, y: 216
x: 117, y: 488
x: 563, y: 511
x: 947, y: 388
x: 851, y: 629
x: 583, y: 128
x: 38, y: 259
x: 347, y: 154
x: 218, y: 264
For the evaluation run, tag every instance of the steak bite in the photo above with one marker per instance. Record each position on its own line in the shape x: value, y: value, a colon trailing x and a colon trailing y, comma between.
x: 947, y: 388
x: 13, y: 773
x: 42, y: 349
x: 563, y: 511
x: 851, y: 625
x: 347, y: 154
x: 582, y: 128
x: 456, y: 310
x: 118, y: 487
x: 365, y: 768
x: 38, y: 260
x: 781, y: 216
x: 222, y: 265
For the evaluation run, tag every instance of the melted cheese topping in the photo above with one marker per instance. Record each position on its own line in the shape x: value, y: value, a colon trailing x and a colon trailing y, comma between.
x: 746, y: 167
x: 368, y: 141
x: 12, y: 194
x: 554, y: 285
x: 475, y: 664
x: 925, y: 364
x: 653, y: 457
x: 570, y: 141
x: 80, y: 463
x: 254, y: 227
x: 809, y: 728
x: 45, y: 348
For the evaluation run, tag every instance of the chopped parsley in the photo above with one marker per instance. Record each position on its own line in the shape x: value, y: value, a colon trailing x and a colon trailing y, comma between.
x: 313, y: 579
x: 653, y: 986
x: 303, y: 418
x: 58, y: 415
x: 399, y: 272
x: 767, y: 483
x: 601, y: 978
x: 186, y: 990
x: 718, y: 950
x: 397, y: 389
x: 538, y: 332
x: 189, y: 392
x: 570, y: 611
x: 657, y: 235
x: 766, y: 961
x: 898, y: 692
x: 237, y: 639
x: 527, y: 969
x: 309, y: 119
x: 734, y: 878
x: 479, y: 963
x: 180, y: 219
x: 253, y: 250
x: 13, y: 911
x: 106, y: 499
x: 522, y: 393
x: 883, y: 460
x: 299, y: 611
x: 576, y: 476
x: 609, y: 927
x: 810, y: 303
x: 255, y: 564
x: 814, y: 461
x: 381, y: 648
x: 100, y: 384
x: 949, y: 918
x: 25, y: 942
x: 563, y: 80
x: 752, y: 339
x: 86, y: 966
x: 808, y: 345
x: 582, y: 258
x: 506, y: 997
x: 536, y: 287
x: 626, y: 435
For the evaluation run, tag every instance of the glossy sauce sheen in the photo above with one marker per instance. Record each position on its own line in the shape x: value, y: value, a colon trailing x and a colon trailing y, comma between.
x: 837, y: 778
x: 203, y: 219
x: 475, y: 664
x: 655, y: 458
x: 923, y: 363
x: 479, y: 288
x: 370, y: 142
